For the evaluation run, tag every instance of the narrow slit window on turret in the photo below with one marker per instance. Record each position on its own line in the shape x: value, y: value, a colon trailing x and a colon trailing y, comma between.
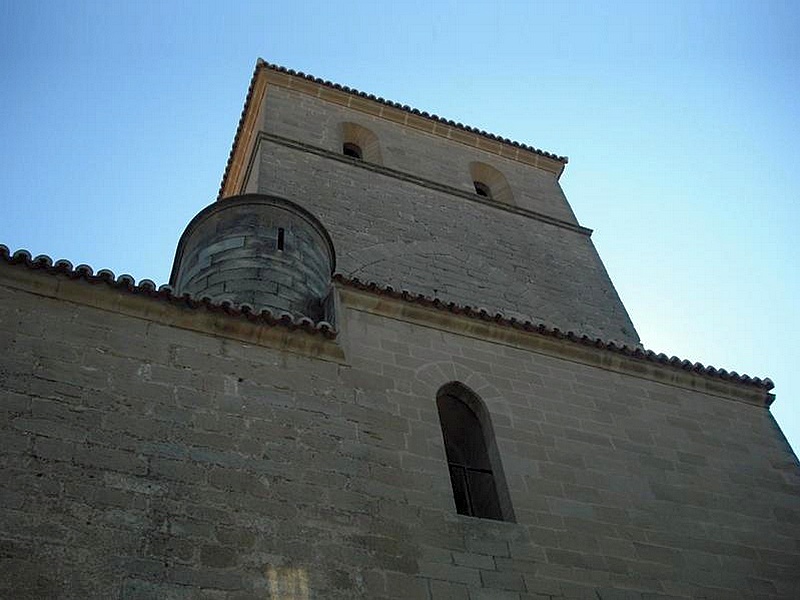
x: 352, y: 150
x: 280, y: 238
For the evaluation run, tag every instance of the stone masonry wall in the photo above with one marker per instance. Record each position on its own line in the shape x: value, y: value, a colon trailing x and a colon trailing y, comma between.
x: 141, y: 461
x: 412, y: 235
x: 399, y: 233
x: 255, y: 250
x: 318, y: 123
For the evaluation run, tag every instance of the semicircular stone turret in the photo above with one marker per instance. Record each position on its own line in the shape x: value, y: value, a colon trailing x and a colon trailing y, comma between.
x: 260, y: 250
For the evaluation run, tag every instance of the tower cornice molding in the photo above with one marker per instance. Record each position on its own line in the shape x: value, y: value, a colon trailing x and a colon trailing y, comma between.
x: 267, y: 74
x: 415, y: 179
x: 634, y: 362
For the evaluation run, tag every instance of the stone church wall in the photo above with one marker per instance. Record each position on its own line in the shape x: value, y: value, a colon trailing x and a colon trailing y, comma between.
x: 141, y: 460
x: 432, y: 242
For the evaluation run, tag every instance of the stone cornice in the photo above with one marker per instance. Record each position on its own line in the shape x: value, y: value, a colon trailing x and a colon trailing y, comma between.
x: 414, y: 119
x: 104, y: 292
x: 163, y: 308
x: 242, y: 148
x: 266, y: 74
x: 560, y: 347
x: 428, y: 183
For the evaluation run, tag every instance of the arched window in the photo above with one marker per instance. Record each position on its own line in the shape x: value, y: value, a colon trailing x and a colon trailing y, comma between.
x: 490, y: 183
x: 359, y: 142
x: 476, y: 476
x: 352, y: 150
x: 482, y: 189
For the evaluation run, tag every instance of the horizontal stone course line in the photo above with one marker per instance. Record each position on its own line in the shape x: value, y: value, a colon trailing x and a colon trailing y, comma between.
x: 44, y: 264
x: 636, y: 353
x: 386, y: 109
x: 389, y: 172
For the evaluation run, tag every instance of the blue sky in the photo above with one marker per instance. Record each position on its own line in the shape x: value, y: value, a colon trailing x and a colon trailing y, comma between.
x: 680, y: 120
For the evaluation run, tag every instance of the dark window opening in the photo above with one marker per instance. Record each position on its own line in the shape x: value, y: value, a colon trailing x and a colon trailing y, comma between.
x: 482, y: 189
x: 352, y: 150
x: 280, y: 238
x: 474, y: 487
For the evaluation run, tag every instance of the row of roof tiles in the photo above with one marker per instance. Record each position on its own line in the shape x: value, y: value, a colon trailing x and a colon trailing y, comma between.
x: 262, y: 64
x: 555, y: 332
x: 148, y: 288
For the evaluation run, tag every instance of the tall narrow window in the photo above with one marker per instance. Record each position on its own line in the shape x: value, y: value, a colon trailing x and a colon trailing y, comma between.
x: 472, y: 472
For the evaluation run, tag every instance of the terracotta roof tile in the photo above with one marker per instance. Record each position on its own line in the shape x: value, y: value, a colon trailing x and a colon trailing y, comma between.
x: 554, y: 332
x: 262, y: 64
x: 164, y: 293
x: 409, y: 109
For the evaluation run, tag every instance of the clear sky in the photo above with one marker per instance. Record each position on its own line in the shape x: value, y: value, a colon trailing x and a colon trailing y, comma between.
x: 680, y: 119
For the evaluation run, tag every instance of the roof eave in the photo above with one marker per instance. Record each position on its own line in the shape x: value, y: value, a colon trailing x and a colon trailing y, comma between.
x: 265, y: 73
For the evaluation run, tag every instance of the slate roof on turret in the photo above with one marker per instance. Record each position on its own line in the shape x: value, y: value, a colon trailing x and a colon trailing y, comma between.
x: 262, y: 64
x: 164, y: 293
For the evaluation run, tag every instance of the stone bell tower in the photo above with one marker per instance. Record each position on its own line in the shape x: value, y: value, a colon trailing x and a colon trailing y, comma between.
x: 478, y: 421
x: 421, y: 203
